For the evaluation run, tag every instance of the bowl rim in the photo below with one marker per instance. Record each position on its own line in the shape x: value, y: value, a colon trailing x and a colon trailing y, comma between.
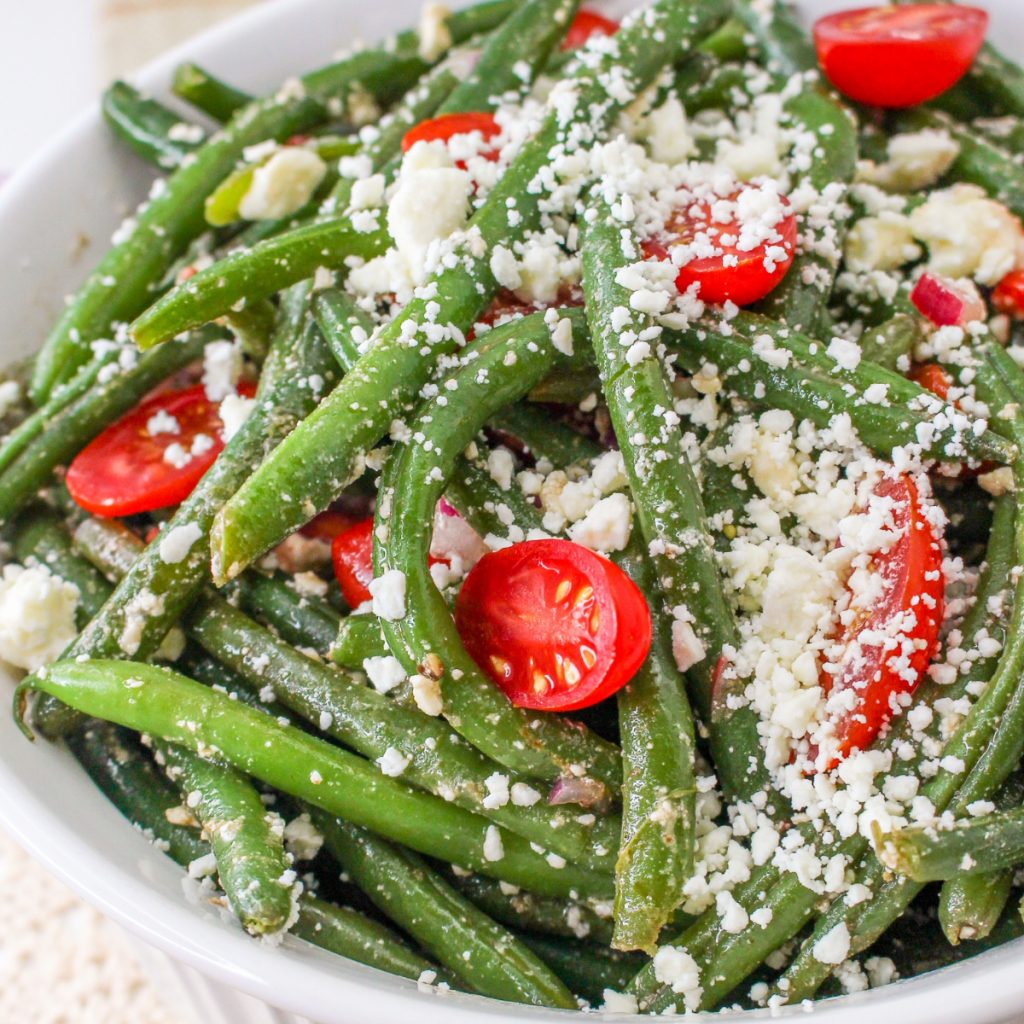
x: 292, y: 978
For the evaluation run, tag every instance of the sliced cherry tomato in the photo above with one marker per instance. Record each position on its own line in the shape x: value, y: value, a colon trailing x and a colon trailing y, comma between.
x: 1008, y: 295
x: 127, y: 469
x: 742, y: 276
x: 352, y: 554
x: 555, y: 625
x: 447, y: 126
x: 588, y: 23
x: 932, y: 377
x: 899, y: 56
x: 327, y: 525
x: 887, y: 647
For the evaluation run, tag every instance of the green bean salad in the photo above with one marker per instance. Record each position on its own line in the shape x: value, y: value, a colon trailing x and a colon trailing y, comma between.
x: 533, y: 507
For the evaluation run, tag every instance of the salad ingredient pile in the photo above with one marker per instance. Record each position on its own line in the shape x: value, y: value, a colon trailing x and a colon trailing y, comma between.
x: 536, y: 508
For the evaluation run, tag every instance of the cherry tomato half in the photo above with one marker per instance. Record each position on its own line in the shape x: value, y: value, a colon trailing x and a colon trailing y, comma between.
x: 327, y: 525
x: 555, y: 625
x: 742, y: 276
x: 127, y: 469
x: 1008, y: 295
x: 933, y: 378
x: 899, y: 56
x: 447, y: 126
x: 588, y: 23
x: 352, y: 554
x: 887, y: 648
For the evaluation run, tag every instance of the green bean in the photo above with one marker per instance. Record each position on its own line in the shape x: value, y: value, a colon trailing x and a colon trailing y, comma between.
x: 154, y: 592
x: 425, y: 639
x: 809, y: 396
x: 335, y: 439
x: 40, y: 536
x: 342, y: 323
x: 728, y: 42
x: 655, y: 722
x: 247, y: 275
x: 207, y: 93
x: 117, y: 764
x: 801, y: 299
x: 359, y: 637
x: 892, y: 342
x: 562, y: 446
x: 156, y: 133
x: 973, y: 846
x: 587, y: 969
x: 348, y: 933
x: 121, y: 286
x: 301, y: 620
x: 254, y: 871
x: 970, y: 906
x: 979, y: 160
x: 528, y: 912
x: 782, y: 41
x: 704, y: 83
x: 997, y: 81
x: 178, y: 710
x: 253, y: 325
x: 27, y: 430
x: 477, y: 950
x: 365, y: 720
x: 81, y: 420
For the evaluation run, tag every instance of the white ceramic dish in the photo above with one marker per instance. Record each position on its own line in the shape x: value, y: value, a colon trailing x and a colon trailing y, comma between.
x: 55, y: 218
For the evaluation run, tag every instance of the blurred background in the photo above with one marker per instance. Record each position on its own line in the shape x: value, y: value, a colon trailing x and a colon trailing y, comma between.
x: 61, y: 962
x: 56, y: 56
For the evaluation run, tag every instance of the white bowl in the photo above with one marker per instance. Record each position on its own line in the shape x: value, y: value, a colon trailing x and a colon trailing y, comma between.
x: 55, y: 219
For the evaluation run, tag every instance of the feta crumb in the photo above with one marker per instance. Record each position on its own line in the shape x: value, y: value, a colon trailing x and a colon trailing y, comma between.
x: 834, y: 946
x: 177, y: 543
x: 37, y: 616
x: 388, y: 593
x: 283, y: 185
x: 385, y: 672
x: 493, y: 848
x: 393, y: 762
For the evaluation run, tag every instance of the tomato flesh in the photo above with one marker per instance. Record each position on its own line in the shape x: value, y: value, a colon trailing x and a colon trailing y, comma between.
x: 352, y: 555
x: 1008, y: 295
x: 588, y: 23
x: 886, y: 649
x: 126, y: 469
x: 899, y: 56
x: 933, y: 378
x: 447, y: 126
x: 733, y: 274
x: 555, y: 625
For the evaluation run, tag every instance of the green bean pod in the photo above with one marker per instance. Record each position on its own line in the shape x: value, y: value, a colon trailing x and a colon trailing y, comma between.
x: 206, y: 92
x: 326, y: 452
x: 587, y: 969
x: 178, y: 710
x: 254, y: 870
x: 480, y: 952
x: 148, y: 127
x: 359, y: 637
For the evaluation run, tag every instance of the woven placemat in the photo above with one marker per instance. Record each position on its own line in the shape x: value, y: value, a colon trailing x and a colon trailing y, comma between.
x: 61, y: 961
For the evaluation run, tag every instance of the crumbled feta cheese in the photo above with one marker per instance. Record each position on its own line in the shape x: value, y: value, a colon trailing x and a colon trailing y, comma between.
x: 234, y: 410
x: 677, y: 969
x: 176, y: 543
x: 834, y: 946
x: 37, y: 616
x: 606, y: 526
x: 283, y: 185
x: 393, y: 762
x: 493, y: 847
x: 388, y: 593
x: 915, y: 161
x: 384, y: 672
x: 435, y: 36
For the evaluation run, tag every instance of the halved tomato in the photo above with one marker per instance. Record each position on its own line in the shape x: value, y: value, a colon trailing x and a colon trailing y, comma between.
x: 151, y: 458
x: 887, y: 647
x: 741, y: 270
x: 588, y: 23
x: 899, y: 56
x: 1008, y: 295
x: 555, y: 625
x: 447, y: 126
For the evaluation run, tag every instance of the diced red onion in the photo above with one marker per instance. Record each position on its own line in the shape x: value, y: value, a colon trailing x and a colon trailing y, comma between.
x: 947, y: 303
x: 585, y: 792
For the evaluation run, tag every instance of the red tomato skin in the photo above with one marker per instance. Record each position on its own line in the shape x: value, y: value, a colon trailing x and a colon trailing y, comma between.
x: 587, y: 23
x: 518, y: 624
x: 913, y: 570
x: 747, y: 282
x: 327, y: 525
x: 122, y: 471
x: 899, y: 56
x: 352, y: 555
x: 1008, y: 295
x: 932, y: 377
x: 446, y: 126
